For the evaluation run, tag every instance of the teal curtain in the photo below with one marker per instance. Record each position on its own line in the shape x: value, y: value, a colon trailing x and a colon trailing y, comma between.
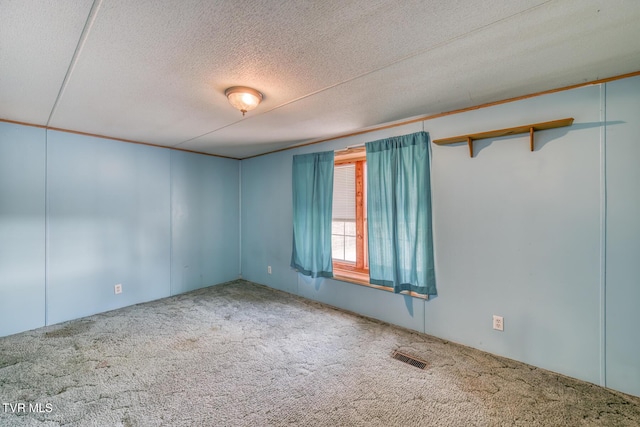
x: 399, y: 214
x: 312, y: 204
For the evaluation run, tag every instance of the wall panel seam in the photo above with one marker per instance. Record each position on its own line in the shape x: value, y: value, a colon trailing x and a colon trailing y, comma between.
x: 170, y: 223
x: 46, y: 227
x: 603, y: 234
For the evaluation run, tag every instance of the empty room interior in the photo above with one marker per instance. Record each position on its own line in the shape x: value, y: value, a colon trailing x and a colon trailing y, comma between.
x: 257, y: 212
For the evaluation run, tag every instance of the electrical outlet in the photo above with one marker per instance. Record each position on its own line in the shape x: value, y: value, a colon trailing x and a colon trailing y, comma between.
x: 498, y: 323
x: 269, y: 269
x: 117, y: 289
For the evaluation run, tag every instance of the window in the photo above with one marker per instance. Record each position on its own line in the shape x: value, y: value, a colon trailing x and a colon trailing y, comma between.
x: 349, y: 222
x: 343, y: 230
x: 330, y: 224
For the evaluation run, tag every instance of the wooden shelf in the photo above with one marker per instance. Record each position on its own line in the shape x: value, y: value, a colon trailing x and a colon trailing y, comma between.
x: 530, y: 129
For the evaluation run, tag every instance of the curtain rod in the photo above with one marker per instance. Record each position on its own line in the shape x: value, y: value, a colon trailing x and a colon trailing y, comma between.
x: 350, y: 148
x: 358, y: 147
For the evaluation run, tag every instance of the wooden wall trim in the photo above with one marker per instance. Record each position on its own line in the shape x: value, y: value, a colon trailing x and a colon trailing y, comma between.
x: 361, y: 132
x: 449, y: 113
x: 94, y: 135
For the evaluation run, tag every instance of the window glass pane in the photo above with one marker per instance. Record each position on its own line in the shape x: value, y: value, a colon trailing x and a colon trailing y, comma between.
x: 337, y: 227
x: 350, y: 249
x: 350, y: 228
x: 337, y: 246
x: 344, y: 192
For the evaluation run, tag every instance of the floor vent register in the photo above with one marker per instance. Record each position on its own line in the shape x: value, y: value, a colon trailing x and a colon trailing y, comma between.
x: 411, y: 360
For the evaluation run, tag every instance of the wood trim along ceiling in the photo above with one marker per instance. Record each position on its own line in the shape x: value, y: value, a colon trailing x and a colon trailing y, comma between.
x: 361, y: 132
x: 461, y: 110
x: 94, y: 135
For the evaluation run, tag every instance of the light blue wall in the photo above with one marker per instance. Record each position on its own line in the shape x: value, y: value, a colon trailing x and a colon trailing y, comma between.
x: 517, y: 234
x: 80, y: 214
x: 108, y: 222
x: 623, y: 235
x: 22, y: 213
x: 267, y: 220
x: 205, y: 221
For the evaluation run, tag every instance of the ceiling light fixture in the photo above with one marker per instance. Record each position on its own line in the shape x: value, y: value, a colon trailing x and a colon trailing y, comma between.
x: 243, y: 98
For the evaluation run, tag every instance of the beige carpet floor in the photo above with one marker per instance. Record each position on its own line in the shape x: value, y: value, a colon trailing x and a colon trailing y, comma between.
x: 241, y: 354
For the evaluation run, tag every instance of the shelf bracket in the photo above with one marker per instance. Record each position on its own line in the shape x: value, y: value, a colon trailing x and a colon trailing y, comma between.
x: 531, y: 137
x: 470, y: 143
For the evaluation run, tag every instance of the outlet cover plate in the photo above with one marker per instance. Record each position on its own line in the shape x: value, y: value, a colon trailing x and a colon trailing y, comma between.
x: 117, y: 289
x: 498, y: 323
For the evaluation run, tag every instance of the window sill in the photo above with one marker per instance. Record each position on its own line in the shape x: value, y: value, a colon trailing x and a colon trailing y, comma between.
x: 352, y: 277
x: 362, y: 279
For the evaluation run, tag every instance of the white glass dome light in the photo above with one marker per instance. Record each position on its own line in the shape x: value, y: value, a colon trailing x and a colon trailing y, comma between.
x: 243, y: 98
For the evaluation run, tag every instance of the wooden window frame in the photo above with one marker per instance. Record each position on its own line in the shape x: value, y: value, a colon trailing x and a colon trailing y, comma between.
x: 360, y: 269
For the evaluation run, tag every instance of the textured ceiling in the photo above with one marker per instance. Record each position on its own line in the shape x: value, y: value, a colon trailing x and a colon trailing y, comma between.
x: 155, y: 71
